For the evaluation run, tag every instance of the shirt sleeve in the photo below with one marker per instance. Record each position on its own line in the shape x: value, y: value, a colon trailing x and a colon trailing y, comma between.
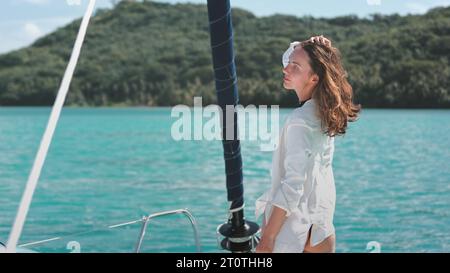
x: 329, y: 151
x: 298, y: 147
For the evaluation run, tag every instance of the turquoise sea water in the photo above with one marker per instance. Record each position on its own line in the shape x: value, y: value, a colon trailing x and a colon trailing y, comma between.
x: 107, y: 166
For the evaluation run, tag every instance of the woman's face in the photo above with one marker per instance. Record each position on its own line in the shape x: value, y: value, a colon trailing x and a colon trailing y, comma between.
x: 298, y: 74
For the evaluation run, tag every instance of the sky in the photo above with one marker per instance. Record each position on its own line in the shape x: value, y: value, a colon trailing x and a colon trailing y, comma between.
x: 23, y: 21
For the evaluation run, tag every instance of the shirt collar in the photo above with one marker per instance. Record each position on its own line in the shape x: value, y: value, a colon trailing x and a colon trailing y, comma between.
x: 301, y: 103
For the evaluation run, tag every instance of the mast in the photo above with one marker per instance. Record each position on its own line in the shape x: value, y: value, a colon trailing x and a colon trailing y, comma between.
x: 239, y: 234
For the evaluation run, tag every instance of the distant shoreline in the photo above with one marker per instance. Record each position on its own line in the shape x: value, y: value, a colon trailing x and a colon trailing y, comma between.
x: 134, y: 60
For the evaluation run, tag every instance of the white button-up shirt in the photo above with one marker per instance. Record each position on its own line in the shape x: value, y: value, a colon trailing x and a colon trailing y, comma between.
x: 302, y: 181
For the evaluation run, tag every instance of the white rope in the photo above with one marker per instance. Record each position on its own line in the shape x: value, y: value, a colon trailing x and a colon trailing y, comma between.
x: 231, y: 211
x: 47, y: 138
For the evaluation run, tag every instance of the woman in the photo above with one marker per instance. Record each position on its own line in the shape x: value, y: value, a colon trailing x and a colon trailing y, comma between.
x: 298, y: 209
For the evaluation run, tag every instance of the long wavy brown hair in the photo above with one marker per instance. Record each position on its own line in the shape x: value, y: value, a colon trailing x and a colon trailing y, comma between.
x: 333, y: 93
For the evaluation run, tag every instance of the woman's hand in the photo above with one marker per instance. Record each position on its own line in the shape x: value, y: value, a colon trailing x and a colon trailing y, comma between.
x: 266, y: 244
x: 271, y: 230
x: 320, y: 40
x: 263, y: 224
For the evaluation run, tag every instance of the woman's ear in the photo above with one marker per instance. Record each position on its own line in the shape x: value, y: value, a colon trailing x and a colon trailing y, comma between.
x: 315, y: 79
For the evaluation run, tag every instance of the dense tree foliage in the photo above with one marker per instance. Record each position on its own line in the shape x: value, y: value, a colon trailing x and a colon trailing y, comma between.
x: 147, y: 53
